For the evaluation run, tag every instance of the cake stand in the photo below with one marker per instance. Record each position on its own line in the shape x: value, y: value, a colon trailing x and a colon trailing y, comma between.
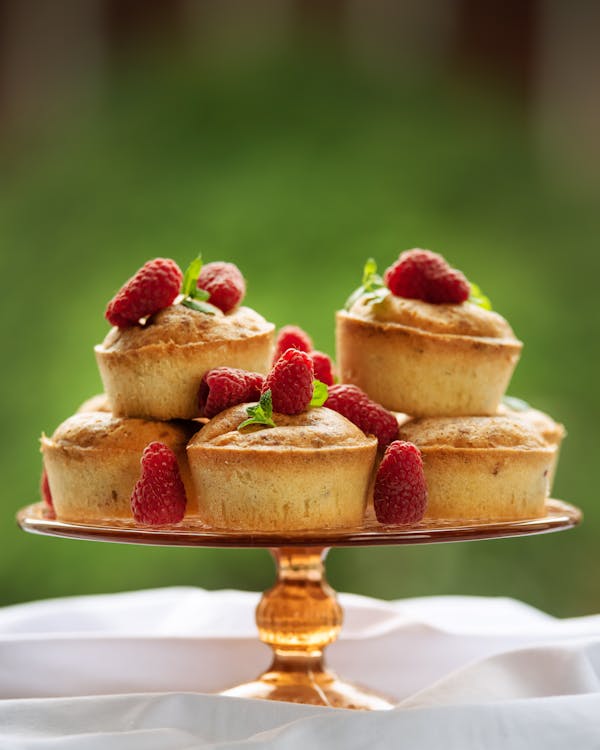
x: 300, y: 615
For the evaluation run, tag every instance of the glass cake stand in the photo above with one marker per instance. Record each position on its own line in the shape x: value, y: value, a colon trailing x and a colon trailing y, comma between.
x: 300, y: 615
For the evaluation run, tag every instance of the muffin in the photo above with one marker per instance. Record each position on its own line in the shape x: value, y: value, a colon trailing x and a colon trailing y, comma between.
x: 553, y: 433
x: 426, y: 359
x: 482, y: 467
x: 154, y: 371
x: 99, y: 402
x: 311, y: 471
x: 93, y: 462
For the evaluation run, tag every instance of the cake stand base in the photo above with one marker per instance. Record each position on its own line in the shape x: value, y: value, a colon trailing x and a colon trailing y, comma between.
x: 298, y: 617
x: 315, y: 687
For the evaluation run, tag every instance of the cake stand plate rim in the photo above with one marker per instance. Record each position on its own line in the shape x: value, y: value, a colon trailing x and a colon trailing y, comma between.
x: 560, y: 516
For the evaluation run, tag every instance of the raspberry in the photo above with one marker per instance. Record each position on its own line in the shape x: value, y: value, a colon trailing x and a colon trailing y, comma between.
x: 225, y: 284
x: 291, y: 382
x: 400, y: 492
x: 292, y: 337
x: 421, y: 274
x: 367, y: 415
x: 159, y: 495
x: 45, y: 490
x: 226, y: 386
x: 323, y: 367
x: 152, y: 288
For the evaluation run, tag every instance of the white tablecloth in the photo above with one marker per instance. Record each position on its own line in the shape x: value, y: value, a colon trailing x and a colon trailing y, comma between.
x: 136, y: 670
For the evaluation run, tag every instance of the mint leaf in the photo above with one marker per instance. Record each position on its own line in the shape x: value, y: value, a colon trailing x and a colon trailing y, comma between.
x: 198, y: 306
x: 516, y: 404
x: 262, y: 413
x: 320, y: 393
x: 378, y: 295
x: 370, y: 272
x: 354, y: 297
x: 194, y: 297
x: 200, y: 294
x: 371, y: 279
x: 477, y: 297
x: 190, y: 278
x: 372, y: 284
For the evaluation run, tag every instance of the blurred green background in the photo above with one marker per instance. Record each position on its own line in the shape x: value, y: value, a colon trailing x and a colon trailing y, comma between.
x: 297, y: 142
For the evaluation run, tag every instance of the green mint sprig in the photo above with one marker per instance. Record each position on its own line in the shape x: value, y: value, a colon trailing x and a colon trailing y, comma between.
x: 372, y: 286
x: 515, y: 404
x: 195, y: 298
x: 320, y: 394
x: 262, y: 413
x: 477, y: 297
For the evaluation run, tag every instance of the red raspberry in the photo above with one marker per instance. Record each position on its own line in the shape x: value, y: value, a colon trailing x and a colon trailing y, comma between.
x: 291, y: 382
x: 152, y: 288
x: 421, y: 274
x: 226, y: 386
x: 159, y: 495
x: 323, y: 367
x: 225, y: 284
x: 292, y: 337
x: 400, y: 492
x: 367, y: 415
x: 45, y: 490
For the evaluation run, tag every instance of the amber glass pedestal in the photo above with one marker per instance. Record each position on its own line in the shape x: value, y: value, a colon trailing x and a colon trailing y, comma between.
x: 300, y: 615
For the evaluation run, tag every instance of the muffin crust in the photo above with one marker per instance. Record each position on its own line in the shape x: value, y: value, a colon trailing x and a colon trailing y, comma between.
x: 315, y: 428
x: 465, y: 319
x: 178, y: 324
x: 471, y: 433
x: 551, y: 432
x: 99, y: 402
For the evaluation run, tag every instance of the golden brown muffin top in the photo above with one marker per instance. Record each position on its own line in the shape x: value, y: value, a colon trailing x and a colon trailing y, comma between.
x: 98, y: 402
x: 465, y: 319
x: 552, y: 432
x: 315, y: 428
x: 471, y: 432
x: 178, y: 324
x: 102, y: 430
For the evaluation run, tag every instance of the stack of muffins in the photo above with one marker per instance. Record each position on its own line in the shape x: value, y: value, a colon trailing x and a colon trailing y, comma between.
x: 151, y: 374
x: 312, y: 470
x: 443, y: 360
x: 445, y: 363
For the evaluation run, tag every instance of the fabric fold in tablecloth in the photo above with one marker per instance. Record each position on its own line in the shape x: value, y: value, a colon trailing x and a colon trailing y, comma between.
x: 134, y: 670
